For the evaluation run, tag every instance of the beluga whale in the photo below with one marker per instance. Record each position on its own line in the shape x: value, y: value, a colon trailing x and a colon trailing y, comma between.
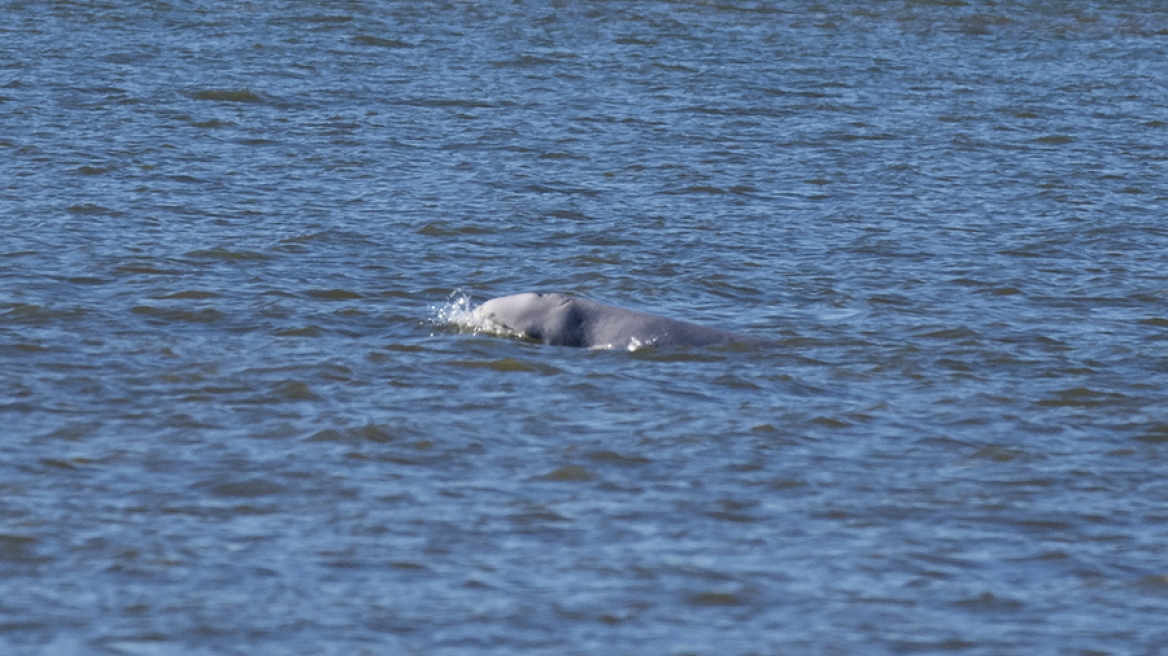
x: 565, y: 320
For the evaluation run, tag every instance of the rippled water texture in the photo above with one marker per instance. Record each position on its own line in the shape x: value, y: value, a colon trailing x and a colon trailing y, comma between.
x: 239, y: 418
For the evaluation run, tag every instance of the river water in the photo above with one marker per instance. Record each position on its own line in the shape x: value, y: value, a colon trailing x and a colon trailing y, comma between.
x: 238, y: 418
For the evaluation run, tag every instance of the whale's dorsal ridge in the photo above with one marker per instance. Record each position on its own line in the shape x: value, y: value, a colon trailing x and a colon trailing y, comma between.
x: 566, y: 320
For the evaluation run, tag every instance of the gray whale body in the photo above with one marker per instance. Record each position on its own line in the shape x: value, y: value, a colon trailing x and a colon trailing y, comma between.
x: 570, y: 321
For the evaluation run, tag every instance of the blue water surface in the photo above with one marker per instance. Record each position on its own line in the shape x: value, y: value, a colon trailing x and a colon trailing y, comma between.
x: 243, y: 412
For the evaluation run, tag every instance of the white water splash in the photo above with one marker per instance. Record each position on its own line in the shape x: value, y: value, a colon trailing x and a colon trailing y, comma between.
x: 457, y: 311
x: 461, y: 312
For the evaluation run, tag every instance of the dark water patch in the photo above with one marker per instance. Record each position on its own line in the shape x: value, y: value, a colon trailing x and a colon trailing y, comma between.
x: 333, y: 294
x: 989, y: 601
x: 255, y: 487
x: 448, y: 229
x: 305, y: 331
x: 227, y: 255
x: 335, y: 238
x: 227, y: 95
x: 834, y: 423
x: 680, y: 355
x: 183, y: 420
x: 327, y: 19
x: 1082, y: 397
x: 999, y: 291
x: 378, y: 434
x: 557, y: 187
x: 95, y: 170
x: 694, y: 189
x: 73, y: 432
x: 25, y: 347
x: 998, y: 453
x: 189, y: 179
x: 608, y: 457
x: 533, y: 516
x: 939, y: 645
x: 380, y: 42
x: 784, y: 484
x: 209, y: 124
x: 285, y: 391
x: 33, y: 314
x: 851, y: 136
x: 19, y: 549
x: 1155, y: 584
x: 507, y: 365
x: 960, y: 335
x: 442, y: 103
x: 1156, y: 434
x: 19, y: 254
x: 193, y: 294
x: 1055, y: 139
x: 93, y: 208
x: 86, y: 280
x: 419, y: 453
x: 1042, y: 525
x: 149, y: 269
x: 717, y: 598
x: 733, y: 517
x: 527, y: 61
x: 68, y: 464
x: 179, y: 315
x: 278, y: 293
x: 569, y: 474
x: 408, y: 566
